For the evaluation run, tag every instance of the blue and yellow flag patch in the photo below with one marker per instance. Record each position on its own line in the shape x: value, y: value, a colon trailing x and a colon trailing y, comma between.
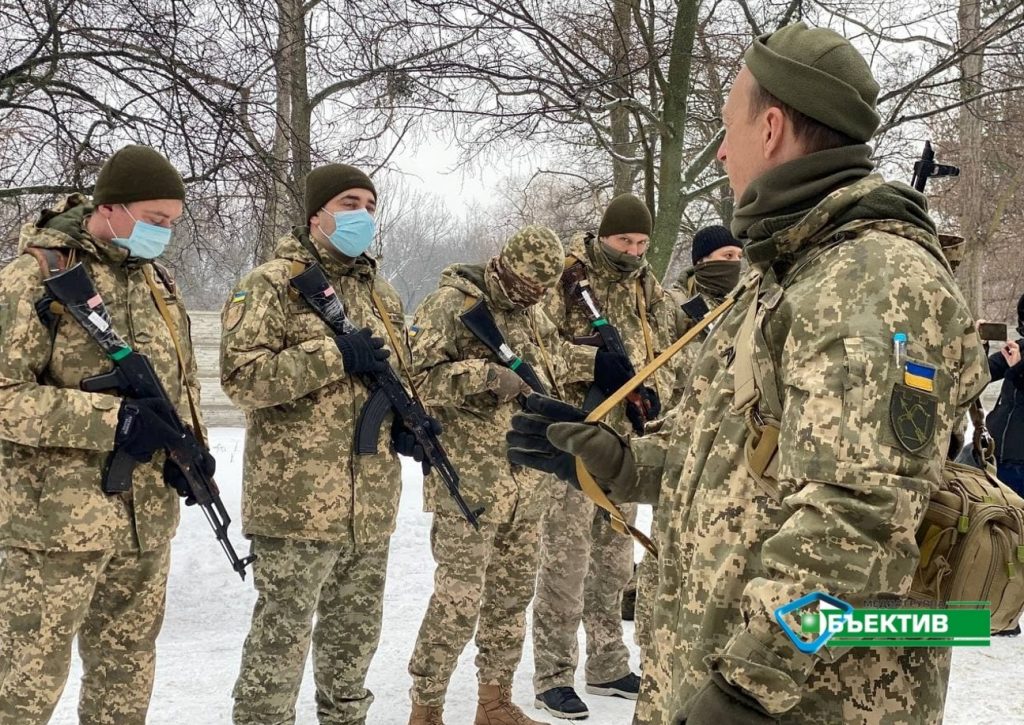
x: 919, y: 377
x: 239, y: 296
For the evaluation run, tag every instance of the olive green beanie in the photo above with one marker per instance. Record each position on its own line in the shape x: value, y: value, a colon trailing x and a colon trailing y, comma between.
x: 626, y: 214
x: 326, y: 182
x: 819, y: 73
x: 137, y: 173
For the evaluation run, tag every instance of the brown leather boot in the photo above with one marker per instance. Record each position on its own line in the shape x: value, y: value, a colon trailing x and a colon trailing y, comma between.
x: 425, y: 715
x: 496, y: 708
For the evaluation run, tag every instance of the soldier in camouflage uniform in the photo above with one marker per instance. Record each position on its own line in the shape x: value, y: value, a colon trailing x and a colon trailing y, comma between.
x: 484, y: 578
x: 585, y: 564
x: 847, y: 261
x: 74, y: 561
x: 716, y: 256
x: 320, y: 516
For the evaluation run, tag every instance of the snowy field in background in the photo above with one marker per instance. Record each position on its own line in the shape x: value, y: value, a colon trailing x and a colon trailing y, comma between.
x: 208, y: 611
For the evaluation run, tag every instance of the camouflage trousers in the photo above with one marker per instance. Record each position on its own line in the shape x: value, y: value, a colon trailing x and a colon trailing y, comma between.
x: 343, y: 586
x: 584, y: 566
x: 646, y: 590
x: 484, y: 579
x: 112, y: 601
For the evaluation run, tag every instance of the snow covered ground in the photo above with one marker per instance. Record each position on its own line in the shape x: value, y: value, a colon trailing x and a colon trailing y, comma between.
x: 208, y: 612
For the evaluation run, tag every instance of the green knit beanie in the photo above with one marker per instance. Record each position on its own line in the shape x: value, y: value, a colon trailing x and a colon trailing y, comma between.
x: 626, y: 214
x: 137, y: 173
x: 326, y: 182
x: 819, y: 73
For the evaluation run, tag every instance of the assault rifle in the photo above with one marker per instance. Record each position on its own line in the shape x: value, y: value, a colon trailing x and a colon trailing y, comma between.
x: 641, y: 404
x: 386, y: 392
x: 133, y: 376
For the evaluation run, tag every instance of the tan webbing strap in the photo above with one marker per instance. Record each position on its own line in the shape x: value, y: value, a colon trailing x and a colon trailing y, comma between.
x: 746, y: 392
x: 760, y: 452
x: 587, y: 483
x: 641, y: 311
x: 161, y: 305
x: 395, y: 343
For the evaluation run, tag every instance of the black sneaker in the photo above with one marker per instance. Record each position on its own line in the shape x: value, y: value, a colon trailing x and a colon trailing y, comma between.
x: 562, y: 702
x: 627, y: 687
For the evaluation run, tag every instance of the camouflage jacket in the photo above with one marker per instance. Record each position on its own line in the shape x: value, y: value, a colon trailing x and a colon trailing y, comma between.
x: 54, y: 438
x: 280, y: 364
x: 452, y: 376
x: 621, y: 297
x: 842, y: 515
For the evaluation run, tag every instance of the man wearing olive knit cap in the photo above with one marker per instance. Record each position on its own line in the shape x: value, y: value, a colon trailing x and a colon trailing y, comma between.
x: 802, y: 457
x: 320, y: 513
x: 584, y: 563
x: 75, y: 562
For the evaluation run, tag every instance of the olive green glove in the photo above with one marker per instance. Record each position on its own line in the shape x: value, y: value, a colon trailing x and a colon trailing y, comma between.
x: 549, y: 433
x: 719, y: 703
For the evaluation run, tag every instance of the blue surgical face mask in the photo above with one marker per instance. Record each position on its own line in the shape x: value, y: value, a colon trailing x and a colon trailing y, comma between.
x: 353, y: 232
x: 147, y: 241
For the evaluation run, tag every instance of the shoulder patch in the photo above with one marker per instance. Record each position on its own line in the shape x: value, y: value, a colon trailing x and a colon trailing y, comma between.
x: 919, y: 376
x: 913, y: 413
x: 235, y: 310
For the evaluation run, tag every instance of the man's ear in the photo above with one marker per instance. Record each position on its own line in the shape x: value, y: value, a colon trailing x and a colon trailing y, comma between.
x: 775, y: 126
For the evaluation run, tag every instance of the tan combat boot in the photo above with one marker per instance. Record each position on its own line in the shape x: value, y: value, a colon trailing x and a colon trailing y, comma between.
x: 496, y: 708
x: 425, y: 715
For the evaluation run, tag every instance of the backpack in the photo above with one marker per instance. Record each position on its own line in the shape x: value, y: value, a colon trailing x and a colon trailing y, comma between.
x: 971, y: 539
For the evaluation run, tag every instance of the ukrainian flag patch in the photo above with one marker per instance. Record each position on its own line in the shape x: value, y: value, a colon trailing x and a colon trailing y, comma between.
x: 239, y: 296
x: 919, y: 377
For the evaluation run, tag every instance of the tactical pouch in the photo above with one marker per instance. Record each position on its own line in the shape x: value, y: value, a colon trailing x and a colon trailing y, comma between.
x: 972, y: 545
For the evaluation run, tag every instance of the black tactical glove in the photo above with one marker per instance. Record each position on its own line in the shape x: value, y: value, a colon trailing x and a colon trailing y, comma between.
x: 548, y: 434
x: 143, y: 427
x: 642, y: 408
x: 175, y: 478
x: 363, y: 353
x: 611, y: 372
x: 719, y: 703
x: 405, y: 444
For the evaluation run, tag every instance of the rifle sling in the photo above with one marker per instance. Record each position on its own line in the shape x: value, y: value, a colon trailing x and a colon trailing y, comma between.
x: 587, y: 483
x: 161, y: 305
